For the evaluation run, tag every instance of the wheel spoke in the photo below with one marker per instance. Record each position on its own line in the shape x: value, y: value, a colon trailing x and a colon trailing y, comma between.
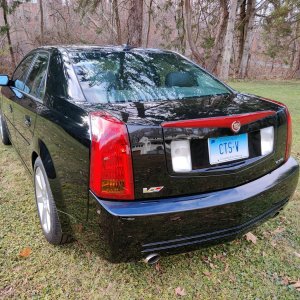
x: 39, y: 198
x: 46, y: 219
x: 42, y: 199
x: 43, y: 183
x: 38, y: 180
x: 40, y: 208
x: 44, y: 214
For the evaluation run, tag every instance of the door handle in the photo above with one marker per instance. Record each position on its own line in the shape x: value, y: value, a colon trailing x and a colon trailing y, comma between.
x: 10, y: 108
x: 27, y: 121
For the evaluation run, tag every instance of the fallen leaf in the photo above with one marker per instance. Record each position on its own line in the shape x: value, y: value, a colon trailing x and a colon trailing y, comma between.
x: 88, y: 255
x: 212, y: 265
x: 7, y: 291
x: 158, y: 267
x: 180, y: 292
x: 278, y: 230
x: 220, y: 256
x: 25, y: 252
x: 273, y: 243
x: 206, y: 259
x: 285, y: 281
x: 79, y: 228
x: 282, y: 219
x: 109, y: 287
x: 251, y: 237
x: 297, y: 254
x: 207, y: 273
x: 296, y: 285
x: 226, y: 268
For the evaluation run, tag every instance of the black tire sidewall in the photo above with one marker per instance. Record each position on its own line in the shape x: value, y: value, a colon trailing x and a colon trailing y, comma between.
x: 55, y: 235
x: 5, y: 137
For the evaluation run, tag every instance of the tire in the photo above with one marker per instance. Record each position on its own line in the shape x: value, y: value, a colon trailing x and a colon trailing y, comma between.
x: 4, y: 131
x: 46, y: 207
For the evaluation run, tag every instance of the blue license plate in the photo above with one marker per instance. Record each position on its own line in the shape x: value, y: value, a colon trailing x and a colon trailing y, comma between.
x: 228, y: 148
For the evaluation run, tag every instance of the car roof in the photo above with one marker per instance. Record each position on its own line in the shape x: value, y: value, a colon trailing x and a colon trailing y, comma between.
x: 70, y: 48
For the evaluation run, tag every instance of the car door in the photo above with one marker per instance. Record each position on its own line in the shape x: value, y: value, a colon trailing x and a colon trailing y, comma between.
x: 26, y: 107
x: 11, y: 94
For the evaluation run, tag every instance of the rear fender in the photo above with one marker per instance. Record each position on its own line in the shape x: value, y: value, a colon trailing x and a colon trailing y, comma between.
x: 42, y: 151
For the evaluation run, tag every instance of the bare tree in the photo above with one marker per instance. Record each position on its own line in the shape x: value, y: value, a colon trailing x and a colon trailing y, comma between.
x: 42, y: 39
x: 115, y: 6
x: 149, y: 22
x: 248, y: 34
x: 219, y: 34
x: 4, y: 6
x: 192, y: 45
x: 135, y: 23
x: 228, y: 41
x: 219, y: 38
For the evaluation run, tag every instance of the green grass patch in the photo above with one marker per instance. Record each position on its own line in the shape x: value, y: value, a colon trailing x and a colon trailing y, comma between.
x: 236, y: 270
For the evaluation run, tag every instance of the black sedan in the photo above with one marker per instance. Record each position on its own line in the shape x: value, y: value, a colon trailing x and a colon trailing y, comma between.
x: 159, y: 153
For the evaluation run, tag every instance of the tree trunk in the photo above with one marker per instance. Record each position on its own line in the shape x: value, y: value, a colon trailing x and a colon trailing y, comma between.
x: 180, y: 25
x: 248, y: 39
x: 228, y: 41
x: 188, y: 22
x: 41, y: 22
x: 295, y: 55
x: 296, y: 67
x: 11, y: 51
x: 115, y: 5
x: 149, y: 22
x: 219, y: 39
x: 243, y: 20
x: 135, y: 23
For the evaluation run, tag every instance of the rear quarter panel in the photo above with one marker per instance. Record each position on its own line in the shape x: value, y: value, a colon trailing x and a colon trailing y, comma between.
x: 62, y: 140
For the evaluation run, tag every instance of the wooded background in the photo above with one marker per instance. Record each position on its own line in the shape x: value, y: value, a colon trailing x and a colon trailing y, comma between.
x: 231, y: 38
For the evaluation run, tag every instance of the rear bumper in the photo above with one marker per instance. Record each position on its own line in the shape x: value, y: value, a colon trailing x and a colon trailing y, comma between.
x: 134, y: 229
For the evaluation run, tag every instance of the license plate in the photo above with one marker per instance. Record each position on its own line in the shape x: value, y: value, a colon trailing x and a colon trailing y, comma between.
x: 228, y: 148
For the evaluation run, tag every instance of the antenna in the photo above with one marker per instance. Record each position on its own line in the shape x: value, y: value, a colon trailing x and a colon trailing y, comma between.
x: 127, y: 47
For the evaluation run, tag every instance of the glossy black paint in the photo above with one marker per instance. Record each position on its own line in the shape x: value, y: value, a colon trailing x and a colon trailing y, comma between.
x: 61, y: 138
x: 56, y: 128
x: 135, y: 229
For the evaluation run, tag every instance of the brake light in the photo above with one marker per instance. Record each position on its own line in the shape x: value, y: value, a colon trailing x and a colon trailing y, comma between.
x: 289, y: 134
x: 219, y: 122
x: 111, y: 175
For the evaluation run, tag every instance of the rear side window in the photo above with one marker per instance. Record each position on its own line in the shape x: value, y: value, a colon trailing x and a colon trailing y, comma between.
x: 130, y: 76
x: 21, y: 72
x: 36, y: 81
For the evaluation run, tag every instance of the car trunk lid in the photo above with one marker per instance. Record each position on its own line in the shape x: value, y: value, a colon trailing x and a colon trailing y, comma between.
x: 151, y: 133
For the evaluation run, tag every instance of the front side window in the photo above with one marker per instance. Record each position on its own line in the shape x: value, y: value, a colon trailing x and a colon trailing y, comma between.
x: 35, y: 84
x: 21, y: 72
x: 130, y: 76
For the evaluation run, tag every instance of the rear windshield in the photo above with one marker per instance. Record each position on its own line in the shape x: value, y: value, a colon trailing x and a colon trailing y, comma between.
x: 130, y: 76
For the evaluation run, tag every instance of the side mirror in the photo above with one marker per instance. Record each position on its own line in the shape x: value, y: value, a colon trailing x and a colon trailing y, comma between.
x: 4, y: 80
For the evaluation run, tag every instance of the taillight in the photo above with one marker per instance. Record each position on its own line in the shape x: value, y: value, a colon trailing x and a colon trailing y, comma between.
x: 289, y: 134
x: 111, y: 175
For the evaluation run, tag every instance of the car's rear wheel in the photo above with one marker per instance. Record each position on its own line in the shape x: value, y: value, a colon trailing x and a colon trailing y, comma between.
x: 3, y: 131
x: 46, y: 206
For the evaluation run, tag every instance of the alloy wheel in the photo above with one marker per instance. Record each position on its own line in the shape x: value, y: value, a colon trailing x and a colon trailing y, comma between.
x: 42, y: 198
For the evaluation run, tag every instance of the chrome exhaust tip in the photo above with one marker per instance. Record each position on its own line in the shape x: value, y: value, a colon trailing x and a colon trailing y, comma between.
x: 152, y: 259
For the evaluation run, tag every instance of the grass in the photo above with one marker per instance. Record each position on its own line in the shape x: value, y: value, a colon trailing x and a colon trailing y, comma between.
x: 236, y: 270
